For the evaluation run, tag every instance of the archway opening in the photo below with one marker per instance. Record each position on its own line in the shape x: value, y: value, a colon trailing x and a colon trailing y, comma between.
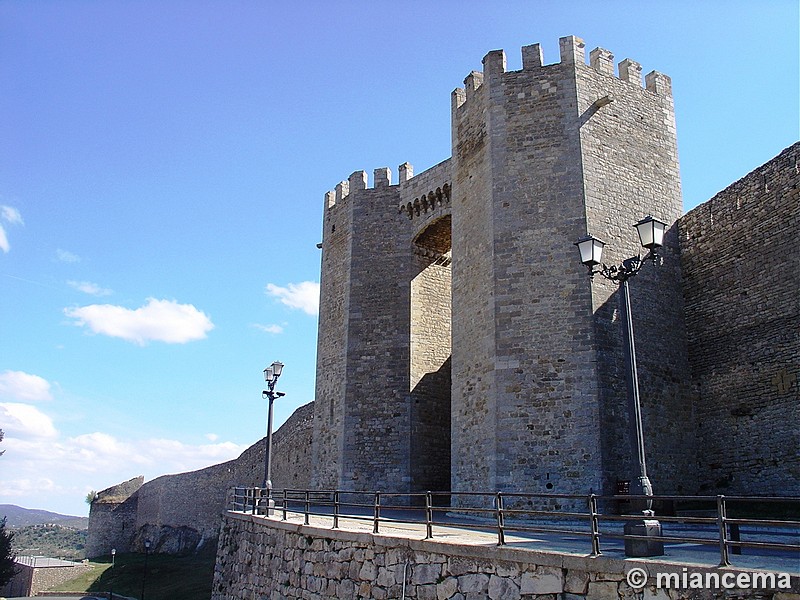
x: 431, y: 317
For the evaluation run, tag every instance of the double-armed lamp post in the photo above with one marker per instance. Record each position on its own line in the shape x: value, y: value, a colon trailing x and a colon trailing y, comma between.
x: 651, y: 236
x: 271, y: 375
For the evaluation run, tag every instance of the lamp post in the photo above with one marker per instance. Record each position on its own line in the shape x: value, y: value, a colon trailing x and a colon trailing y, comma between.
x: 111, y: 578
x: 271, y: 375
x: 144, y: 577
x: 651, y: 236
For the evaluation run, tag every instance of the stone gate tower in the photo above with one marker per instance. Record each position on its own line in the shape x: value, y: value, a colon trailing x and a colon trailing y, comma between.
x: 461, y: 344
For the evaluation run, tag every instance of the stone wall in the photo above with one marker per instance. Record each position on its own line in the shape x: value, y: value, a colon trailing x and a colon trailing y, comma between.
x: 474, y: 283
x: 629, y: 158
x: 540, y: 156
x: 31, y: 578
x: 112, y: 518
x: 277, y: 560
x: 741, y: 265
x: 377, y: 241
x: 181, y: 513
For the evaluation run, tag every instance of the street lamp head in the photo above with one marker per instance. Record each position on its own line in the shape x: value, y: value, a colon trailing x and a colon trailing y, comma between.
x: 277, y: 368
x: 272, y: 372
x: 651, y: 232
x: 147, y: 544
x: 591, y: 250
x: 113, y: 551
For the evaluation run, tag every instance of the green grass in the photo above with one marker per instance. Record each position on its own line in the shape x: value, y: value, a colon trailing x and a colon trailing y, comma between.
x: 168, y: 577
x: 82, y: 583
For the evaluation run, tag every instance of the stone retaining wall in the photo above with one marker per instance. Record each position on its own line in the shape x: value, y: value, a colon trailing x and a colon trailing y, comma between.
x: 30, y: 580
x: 260, y: 558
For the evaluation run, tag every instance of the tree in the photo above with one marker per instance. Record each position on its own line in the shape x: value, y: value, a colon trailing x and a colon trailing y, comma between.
x: 91, y: 497
x: 7, y: 556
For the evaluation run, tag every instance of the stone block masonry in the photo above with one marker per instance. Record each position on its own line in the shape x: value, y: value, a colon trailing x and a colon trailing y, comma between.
x: 37, y: 573
x: 461, y: 344
x: 276, y: 560
x: 741, y: 266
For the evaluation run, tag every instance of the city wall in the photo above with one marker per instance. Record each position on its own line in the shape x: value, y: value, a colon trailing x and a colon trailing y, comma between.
x: 181, y: 513
x: 741, y: 284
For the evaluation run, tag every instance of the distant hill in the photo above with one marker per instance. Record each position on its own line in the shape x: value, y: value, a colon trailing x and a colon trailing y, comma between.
x: 16, y: 517
x: 54, y: 541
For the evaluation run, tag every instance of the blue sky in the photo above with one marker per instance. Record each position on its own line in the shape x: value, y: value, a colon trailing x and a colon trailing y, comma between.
x: 162, y: 173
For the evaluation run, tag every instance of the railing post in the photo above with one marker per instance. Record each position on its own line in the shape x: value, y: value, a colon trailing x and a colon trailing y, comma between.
x: 734, y: 536
x: 723, y: 534
x: 285, y: 500
x: 593, y: 521
x: 336, y: 509
x: 377, y: 514
x: 308, y: 506
x: 501, y: 520
x: 255, y: 502
x: 428, y: 515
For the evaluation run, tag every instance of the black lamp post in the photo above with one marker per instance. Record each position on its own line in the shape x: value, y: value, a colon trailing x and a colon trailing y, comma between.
x: 271, y: 374
x: 111, y: 578
x: 651, y: 236
x: 144, y: 577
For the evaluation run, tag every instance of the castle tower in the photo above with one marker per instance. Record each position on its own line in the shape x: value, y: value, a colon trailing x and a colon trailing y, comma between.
x: 381, y: 416
x: 461, y: 342
x: 112, y: 518
x: 540, y: 157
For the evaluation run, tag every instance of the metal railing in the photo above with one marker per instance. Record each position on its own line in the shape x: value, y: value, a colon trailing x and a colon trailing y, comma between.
x: 702, y: 520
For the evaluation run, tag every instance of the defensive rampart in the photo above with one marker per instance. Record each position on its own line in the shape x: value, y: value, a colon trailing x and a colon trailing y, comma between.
x: 741, y: 280
x: 181, y: 513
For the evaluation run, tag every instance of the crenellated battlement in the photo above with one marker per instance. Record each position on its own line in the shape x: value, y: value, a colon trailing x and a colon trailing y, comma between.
x: 358, y: 180
x: 572, y: 52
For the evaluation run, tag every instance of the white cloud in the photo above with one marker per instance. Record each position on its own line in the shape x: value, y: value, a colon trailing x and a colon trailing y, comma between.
x: 25, y: 487
x: 212, y: 437
x: 67, y: 467
x: 67, y: 257
x: 276, y: 329
x: 87, y: 287
x: 18, y: 385
x: 158, y: 320
x: 10, y: 215
x: 303, y: 295
x: 26, y: 421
